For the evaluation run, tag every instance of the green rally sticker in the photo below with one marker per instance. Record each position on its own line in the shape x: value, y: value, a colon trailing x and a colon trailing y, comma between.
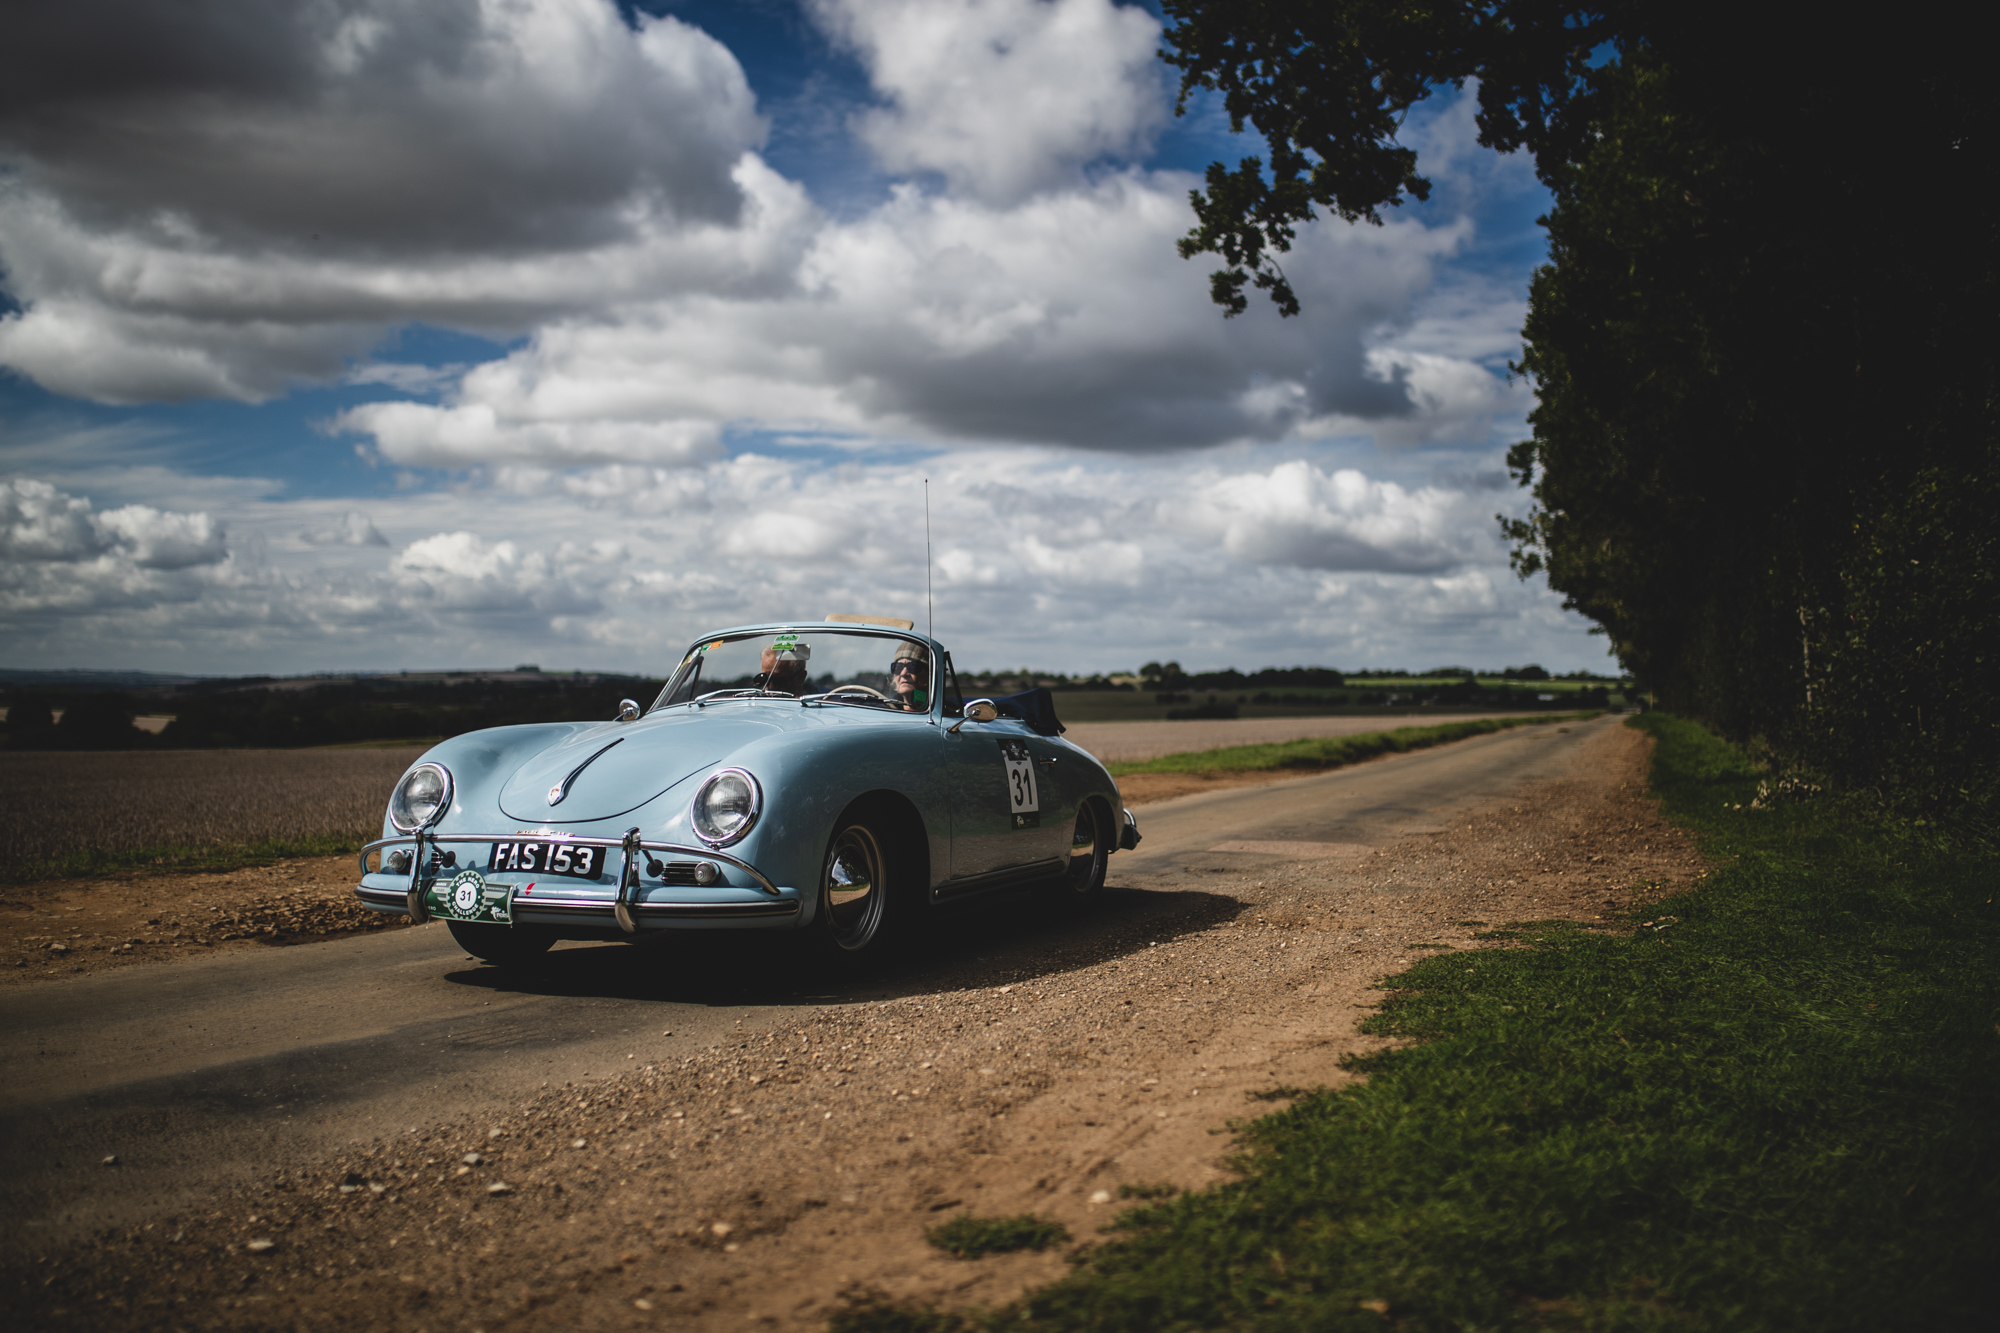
x: 468, y: 897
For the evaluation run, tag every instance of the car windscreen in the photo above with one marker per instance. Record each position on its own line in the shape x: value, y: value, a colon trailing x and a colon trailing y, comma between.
x: 864, y: 670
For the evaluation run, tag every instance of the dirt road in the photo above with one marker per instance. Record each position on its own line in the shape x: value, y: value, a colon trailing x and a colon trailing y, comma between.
x: 379, y: 1133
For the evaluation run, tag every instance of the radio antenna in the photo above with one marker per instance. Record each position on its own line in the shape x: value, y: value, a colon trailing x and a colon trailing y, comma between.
x: 930, y: 609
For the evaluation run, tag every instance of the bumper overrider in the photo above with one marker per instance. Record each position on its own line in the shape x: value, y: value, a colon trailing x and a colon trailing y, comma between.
x: 434, y: 885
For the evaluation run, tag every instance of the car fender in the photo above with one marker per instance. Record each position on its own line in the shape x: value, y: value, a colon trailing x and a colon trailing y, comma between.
x: 807, y: 782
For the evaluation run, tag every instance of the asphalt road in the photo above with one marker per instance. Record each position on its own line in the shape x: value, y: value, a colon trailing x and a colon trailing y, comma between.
x: 234, y: 1066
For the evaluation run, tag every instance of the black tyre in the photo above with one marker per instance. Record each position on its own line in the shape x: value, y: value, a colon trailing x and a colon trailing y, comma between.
x: 502, y: 946
x: 1089, y: 857
x: 869, y: 889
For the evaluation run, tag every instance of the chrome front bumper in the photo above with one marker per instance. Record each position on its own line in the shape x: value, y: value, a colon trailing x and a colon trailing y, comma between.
x: 572, y: 902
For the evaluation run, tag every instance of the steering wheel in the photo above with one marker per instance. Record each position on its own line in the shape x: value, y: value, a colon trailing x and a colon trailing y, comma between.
x: 859, y: 689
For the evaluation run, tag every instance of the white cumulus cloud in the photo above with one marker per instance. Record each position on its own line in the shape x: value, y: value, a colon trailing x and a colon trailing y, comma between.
x: 220, y: 201
x: 1296, y: 514
x: 1004, y: 98
x: 1051, y: 556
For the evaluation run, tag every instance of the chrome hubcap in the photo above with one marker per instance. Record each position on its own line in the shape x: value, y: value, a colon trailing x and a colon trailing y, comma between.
x: 854, y: 888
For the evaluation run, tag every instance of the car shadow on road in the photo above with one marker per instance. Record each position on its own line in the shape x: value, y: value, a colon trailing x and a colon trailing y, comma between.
x: 1001, y: 941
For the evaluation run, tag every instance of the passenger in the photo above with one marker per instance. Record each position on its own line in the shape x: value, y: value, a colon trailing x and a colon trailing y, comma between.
x: 908, y: 677
x: 783, y: 665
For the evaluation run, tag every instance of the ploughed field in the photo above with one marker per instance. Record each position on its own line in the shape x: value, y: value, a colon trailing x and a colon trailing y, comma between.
x: 63, y: 805
x: 65, y: 808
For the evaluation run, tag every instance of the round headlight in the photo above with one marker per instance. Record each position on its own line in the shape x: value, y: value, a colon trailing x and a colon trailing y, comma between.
x: 422, y: 796
x: 726, y: 807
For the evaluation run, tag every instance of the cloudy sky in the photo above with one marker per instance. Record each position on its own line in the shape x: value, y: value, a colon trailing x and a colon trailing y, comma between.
x: 398, y: 333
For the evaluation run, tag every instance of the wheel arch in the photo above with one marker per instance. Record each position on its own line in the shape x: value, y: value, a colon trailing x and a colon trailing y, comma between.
x: 908, y: 820
x: 1107, y: 818
x: 906, y: 828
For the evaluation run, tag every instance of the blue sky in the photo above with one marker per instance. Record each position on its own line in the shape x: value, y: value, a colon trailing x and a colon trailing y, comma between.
x: 420, y: 334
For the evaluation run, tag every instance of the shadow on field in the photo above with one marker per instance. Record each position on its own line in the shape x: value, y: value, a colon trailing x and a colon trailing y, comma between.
x: 1001, y: 941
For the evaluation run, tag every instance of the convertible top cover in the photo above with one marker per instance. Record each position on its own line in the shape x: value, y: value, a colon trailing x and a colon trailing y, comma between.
x: 1036, y: 707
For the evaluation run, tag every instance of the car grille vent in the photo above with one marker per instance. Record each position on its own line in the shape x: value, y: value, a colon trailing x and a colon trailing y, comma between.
x: 679, y: 872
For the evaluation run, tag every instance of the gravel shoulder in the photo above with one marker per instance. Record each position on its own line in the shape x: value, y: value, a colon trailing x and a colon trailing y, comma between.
x: 752, y: 1181
x: 63, y: 928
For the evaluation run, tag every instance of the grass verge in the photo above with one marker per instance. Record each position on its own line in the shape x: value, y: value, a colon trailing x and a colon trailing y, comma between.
x: 196, y: 859
x: 1330, y: 751
x: 1771, y: 1106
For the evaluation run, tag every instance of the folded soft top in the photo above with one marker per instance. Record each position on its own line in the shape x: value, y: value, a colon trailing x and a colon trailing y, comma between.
x: 1036, y: 707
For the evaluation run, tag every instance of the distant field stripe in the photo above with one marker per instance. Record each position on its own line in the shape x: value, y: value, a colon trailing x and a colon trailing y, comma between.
x: 89, y: 812
x: 1330, y: 751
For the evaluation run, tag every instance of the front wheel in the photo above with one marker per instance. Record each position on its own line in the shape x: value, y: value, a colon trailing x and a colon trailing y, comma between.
x: 862, y: 896
x: 503, y: 946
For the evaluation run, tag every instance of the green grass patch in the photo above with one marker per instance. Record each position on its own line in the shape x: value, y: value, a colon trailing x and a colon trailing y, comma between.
x: 1331, y: 751
x: 158, y: 860
x: 970, y: 1237
x: 1143, y: 1190
x: 1771, y: 1106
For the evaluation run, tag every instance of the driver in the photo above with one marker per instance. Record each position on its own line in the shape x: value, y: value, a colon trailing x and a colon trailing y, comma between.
x: 783, y: 665
x: 909, y: 670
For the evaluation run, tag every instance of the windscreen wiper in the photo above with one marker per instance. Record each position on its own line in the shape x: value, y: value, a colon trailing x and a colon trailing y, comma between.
x: 744, y: 694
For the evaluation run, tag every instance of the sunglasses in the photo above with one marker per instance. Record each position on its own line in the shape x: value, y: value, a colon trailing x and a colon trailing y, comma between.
x: 905, y: 668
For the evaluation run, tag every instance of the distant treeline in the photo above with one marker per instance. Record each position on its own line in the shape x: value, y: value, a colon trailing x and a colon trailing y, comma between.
x: 1172, y: 678
x: 214, y: 716
x: 261, y: 712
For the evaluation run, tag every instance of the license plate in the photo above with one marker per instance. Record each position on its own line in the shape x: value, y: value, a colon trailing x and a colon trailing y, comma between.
x: 548, y: 858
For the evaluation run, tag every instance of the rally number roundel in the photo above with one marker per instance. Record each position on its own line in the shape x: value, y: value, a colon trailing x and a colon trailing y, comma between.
x: 465, y: 891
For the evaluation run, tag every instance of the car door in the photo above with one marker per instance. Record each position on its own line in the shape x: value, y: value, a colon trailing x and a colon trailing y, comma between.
x: 1005, y: 804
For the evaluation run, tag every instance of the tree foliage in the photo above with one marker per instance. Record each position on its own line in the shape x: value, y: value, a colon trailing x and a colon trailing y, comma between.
x: 1764, y: 454
x: 1327, y: 84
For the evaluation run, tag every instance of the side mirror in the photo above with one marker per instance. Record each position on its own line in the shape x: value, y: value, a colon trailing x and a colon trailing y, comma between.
x: 628, y: 710
x: 979, y: 710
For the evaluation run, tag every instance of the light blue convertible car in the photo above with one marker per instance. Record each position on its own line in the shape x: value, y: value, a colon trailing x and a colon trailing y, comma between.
x: 826, y: 778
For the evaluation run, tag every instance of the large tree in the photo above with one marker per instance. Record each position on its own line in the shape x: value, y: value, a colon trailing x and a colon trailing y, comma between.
x: 1764, y: 447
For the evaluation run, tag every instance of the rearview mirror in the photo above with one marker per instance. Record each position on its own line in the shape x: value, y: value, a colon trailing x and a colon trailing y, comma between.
x: 628, y: 710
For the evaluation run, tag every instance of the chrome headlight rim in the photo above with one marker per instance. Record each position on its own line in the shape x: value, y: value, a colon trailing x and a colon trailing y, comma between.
x: 444, y: 801
x: 741, y: 831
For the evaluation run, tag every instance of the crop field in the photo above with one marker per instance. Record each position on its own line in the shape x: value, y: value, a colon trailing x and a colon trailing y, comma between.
x: 75, y: 813
x: 1136, y: 742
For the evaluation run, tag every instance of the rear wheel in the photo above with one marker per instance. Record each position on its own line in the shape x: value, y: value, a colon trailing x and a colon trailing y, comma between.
x: 1089, y: 857
x: 501, y: 945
